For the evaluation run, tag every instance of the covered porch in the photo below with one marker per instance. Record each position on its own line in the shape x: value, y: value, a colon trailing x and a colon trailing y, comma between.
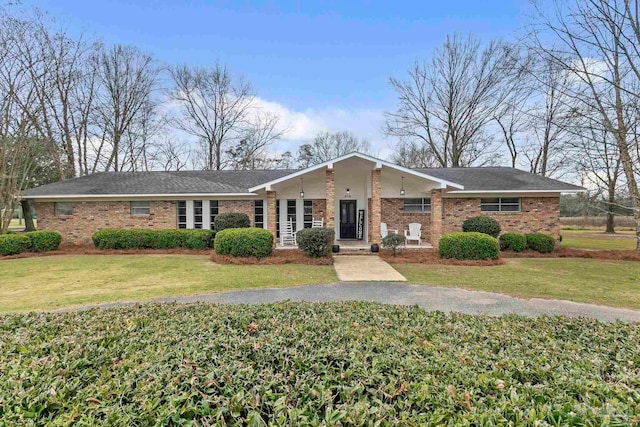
x: 355, y: 195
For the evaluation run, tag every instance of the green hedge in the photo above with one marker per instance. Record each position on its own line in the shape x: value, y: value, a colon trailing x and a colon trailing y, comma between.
x: 539, y: 242
x: 231, y: 220
x: 469, y: 245
x: 244, y: 242
x: 13, y: 244
x: 44, y: 241
x: 513, y: 242
x: 315, y: 242
x: 113, y: 238
x: 482, y: 224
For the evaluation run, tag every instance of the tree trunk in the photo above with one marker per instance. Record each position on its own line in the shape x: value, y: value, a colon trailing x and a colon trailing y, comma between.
x: 610, y: 207
x: 28, y: 211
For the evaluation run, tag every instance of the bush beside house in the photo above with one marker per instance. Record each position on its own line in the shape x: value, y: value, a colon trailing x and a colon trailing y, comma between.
x: 152, y: 239
x: 482, y: 224
x: 513, y: 242
x: 244, y: 242
x: 393, y: 241
x: 231, y: 220
x: 44, y: 241
x: 543, y: 243
x: 315, y: 242
x: 469, y: 245
x: 13, y: 244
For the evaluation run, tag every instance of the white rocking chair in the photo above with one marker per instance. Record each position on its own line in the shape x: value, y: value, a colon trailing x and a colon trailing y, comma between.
x: 384, y: 231
x: 287, y: 235
x: 414, y: 233
x: 317, y: 223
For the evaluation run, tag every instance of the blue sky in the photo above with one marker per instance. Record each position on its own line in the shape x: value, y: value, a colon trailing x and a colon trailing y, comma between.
x: 326, y: 61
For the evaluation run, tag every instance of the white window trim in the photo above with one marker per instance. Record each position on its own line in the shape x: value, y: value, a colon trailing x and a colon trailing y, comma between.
x: 500, y: 204
x: 55, y: 209
x: 425, y: 207
x: 132, y: 209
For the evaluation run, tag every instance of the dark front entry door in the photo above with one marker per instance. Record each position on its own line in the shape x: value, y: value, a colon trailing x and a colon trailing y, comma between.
x: 348, y: 219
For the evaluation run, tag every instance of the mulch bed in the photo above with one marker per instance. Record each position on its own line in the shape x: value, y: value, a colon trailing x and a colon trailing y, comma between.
x: 288, y: 256
x: 415, y: 256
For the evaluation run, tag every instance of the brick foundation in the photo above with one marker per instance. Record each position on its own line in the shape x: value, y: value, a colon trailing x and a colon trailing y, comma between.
x: 538, y: 215
x: 89, y: 217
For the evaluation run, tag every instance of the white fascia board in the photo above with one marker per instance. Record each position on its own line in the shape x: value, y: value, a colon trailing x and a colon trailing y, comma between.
x: 477, y: 192
x: 135, y: 196
x: 378, y: 164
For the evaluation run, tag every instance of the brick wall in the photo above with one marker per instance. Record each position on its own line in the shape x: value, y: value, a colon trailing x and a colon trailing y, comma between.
x: 319, y: 208
x: 397, y: 219
x: 89, y: 217
x: 330, y: 192
x: 376, y: 206
x: 538, y: 214
x: 236, y: 206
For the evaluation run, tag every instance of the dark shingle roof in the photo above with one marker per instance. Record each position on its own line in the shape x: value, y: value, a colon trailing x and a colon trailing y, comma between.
x: 498, y: 178
x: 183, y: 182
x: 228, y: 182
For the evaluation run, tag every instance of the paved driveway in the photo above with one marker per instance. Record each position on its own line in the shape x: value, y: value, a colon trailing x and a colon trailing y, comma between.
x: 429, y: 298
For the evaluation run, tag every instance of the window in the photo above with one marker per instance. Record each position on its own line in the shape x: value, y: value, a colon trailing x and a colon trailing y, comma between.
x: 258, y: 213
x: 308, y: 213
x: 182, y: 214
x: 140, y: 208
x: 213, y: 211
x: 291, y: 213
x: 417, y: 205
x: 500, y: 204
x: 278, y: 219
x: 197, y: 214
x: 63, y: 208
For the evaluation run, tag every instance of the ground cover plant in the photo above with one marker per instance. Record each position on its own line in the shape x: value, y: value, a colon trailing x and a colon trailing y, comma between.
x: 355, y: 364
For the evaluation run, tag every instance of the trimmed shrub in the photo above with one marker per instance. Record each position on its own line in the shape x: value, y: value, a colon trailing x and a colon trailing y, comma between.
x: 469, y: 245
x: 539, y: 242
x: 44, y: 241
x: 482, y: 224
x: 244, y: 242
x: 113, y: 238
x: 315, y: 242
x: 393, y: 241
x: 513, y: 242
x: 231, y: 220
x: 13, y: 244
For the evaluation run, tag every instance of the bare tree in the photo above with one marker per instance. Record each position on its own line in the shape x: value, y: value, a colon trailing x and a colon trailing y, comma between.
x: 126, y: 78
x: 213, y: 108
x: 412, y: 154
x: 251, y: 152
x: 329, y: 145
x: 446, y: 104
x: 596, y: 41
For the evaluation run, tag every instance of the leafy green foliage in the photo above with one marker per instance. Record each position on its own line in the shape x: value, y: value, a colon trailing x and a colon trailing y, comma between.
x: 543, y: 243
x: 13, y: 244
x: 121, y: 238
x: 316, y: 242
x: 482, y: 224
x: 393, y: 241
x: 513, y: 242
x: 231, y: 220
x: 244, y: 242
x: 469, y: 245
x: 44, y: 241
x: 357, y: 364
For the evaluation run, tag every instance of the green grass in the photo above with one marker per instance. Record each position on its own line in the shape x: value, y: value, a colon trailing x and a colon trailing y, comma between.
x: 597, y: 239
x: 46, y: 283
x: 355, y: 364
x: 613, y: 283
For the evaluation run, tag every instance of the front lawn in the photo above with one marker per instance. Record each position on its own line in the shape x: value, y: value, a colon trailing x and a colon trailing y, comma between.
x: 613, y: 283
x: 598, y: 239
x: 45, y: 283
x: 357, y: 364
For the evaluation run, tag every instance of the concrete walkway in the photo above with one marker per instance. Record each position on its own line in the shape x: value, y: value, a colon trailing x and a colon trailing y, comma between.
x: 429, y: 298
x: 365, y: 268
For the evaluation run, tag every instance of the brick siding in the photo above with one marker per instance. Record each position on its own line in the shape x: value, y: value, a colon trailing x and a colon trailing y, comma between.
x: 236, y: 206
x: 538, y: 215
x: 397, y: 219
x: 89, y: 217
x: 319, y: 208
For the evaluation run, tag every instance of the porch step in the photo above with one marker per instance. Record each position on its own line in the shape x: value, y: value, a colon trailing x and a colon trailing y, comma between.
x: 355, y: 251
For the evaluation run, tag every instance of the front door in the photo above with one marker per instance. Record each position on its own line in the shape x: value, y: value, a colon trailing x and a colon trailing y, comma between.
x: 348, y: 219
